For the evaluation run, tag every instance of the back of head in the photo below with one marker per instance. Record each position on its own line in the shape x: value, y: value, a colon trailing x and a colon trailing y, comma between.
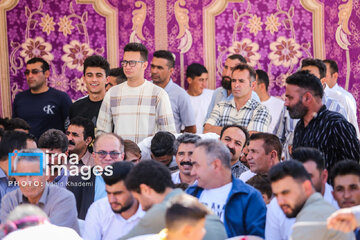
x: 261, y: 183
x: 345, y: 167
x: 307, y: 81
x: 245, y: 67
x: 53, y: 139
x: 97, y: 61
x: 184, y: 209
x: 45, y: 66
x: 151, y: 173
x: 290, y: 168
x: 87, y: 124
x: 12, y: 140
x: 215, y: 149
x: 119, y: 74
x: 262, y: 77
x: 18, y: 123
x: 333, y: 66
x: 137, y: 47
x: 4, y: 122
x: 186, y: 138
x: 120, y: 172
x: 238, y: 57
x: 305, y: 154
x: 316, y: 63
x: 195, y: 70
x: 166, y: 55
x: 271, y: 142
x: 162, y: 144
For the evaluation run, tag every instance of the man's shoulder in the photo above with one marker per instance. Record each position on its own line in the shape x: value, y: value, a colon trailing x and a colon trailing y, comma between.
x: 11, y: 196
x: 81, y: 100
x: 56, y: 92
x: 57, y: 193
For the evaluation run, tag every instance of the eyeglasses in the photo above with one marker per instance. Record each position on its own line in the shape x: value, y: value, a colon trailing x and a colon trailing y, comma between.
x: 131, y: 63
x: 33, y: 71
x: 113, y: 154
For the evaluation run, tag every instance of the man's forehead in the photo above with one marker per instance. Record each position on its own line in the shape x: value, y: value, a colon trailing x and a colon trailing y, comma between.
x: 232, y: 62
x: 34, y: 65
x: 94, y: 70
x: 233, y: 132
x: 347, y: 179
x: 75, y: 129
x: 131, y: 54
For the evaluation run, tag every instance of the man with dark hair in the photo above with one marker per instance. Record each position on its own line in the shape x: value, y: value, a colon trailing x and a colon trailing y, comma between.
x: 96, y: 69
x: 274, y: 104
x: 264, y: 152
x: 162, y: 66
x: 116, y: 77
x: 184, y: 147
x: 239, y: 206
x: 42, y: 107
x: 262, y: 184
x: 292, y: 187
x: 242, y: 109
x: 224, y: 92
x: 200, y: 96
x: 11, y: 141
x: 80, y: 134
x: 162, y: 149
x: 18, y: 124
x: 318, y: 127
x: 132, y: 152
x: 344, y: 97
x: 150, y: 183
x: 235, y: 137
x: 116, y: 215
x: 143, y: 106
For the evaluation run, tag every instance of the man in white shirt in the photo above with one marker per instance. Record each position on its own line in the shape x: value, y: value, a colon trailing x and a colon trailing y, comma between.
x: 113, y: 217
x: 345, y: 98
x: 200, y: 96
x: 274, y: 104
x: 278, y: 226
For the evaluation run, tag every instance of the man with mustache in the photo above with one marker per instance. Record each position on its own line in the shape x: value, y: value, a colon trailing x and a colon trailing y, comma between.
x: 80, y: 134
x: 184, y: 147
x: 113, y: 217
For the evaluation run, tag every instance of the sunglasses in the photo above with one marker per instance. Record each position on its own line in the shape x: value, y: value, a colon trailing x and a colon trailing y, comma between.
x: 33, y: 71
x: 113, y: 154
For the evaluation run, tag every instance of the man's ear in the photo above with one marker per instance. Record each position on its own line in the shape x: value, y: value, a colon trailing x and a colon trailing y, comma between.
x: 189, y: 80
x: 171, y: 70
x: 47, y: 73
x: 144, y: 189
x: 308, y: 187
x: 324, y: 176
x: 335, y: 75
x: 186, y: 230
x: 88, y: 140
x: 145, y: 64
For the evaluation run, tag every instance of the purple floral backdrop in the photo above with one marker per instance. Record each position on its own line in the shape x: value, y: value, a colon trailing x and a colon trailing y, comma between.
x: 273, y: 35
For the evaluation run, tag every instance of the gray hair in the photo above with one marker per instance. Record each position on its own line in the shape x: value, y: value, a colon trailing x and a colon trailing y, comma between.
x: 215, y: 149
x: 25, y: 155
x: 26, y: 210
x: 185, y: 138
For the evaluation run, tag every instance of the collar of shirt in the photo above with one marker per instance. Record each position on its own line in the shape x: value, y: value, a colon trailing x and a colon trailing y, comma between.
x: 87, y: 159
x: 59, y: 177
x: 250, y: 104
x: 43, y: 199
x: 225, y: 96
x: 3, y: 175
x: 169, y: 85
x: 316, y: 116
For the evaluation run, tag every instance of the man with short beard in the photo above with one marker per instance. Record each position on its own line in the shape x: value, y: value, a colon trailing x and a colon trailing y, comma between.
x: 113, y: 217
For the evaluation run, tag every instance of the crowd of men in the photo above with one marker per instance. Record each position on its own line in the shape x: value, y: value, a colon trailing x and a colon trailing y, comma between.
x: 139, y: 159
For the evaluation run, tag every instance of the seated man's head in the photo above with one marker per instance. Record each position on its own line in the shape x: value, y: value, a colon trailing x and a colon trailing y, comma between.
x: 185, y: 218
x: 313, y: 161
x: 235, y: 137
x: 242, y: 80
x: 162, y: 147
x: 29, y: 169
x: 262, y: 82
x: 197, y: 77
x: 18, y: 124
x: 345, y: 177
x: 116, y: 76
x: 108, y: 148
x: 184, y: 147
x: 53, y: 142
x: 264, y: 152
x: 262, y: 183
x: 80, y: 134
x: 119, y: 197
x: 230, y: 63
x: 291, y: 185
x: 132, y: 152
x: 211, y: 163
x: 149, y: 182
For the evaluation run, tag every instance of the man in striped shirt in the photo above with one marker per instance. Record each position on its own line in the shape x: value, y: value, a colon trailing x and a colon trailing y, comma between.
x: 135, y: 109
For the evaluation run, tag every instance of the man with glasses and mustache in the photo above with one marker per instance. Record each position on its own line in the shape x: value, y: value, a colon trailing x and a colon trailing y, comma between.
x: 108, y: 148
x: 41, y: 106
x: 113, y: 217
x: 137, y: 108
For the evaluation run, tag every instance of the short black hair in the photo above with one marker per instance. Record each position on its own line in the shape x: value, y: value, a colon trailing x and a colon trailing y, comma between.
x: 166, y: 55
x: 290, y: 168
x: 97, y: 61
x: 195, y: 70
x: 333, y: 66
x: 4, y: 122
x: 243, y: 129
x: 86, y: 123
x: 162, y: 144
x: 238, y: 57
x: 151, y: 173
x: 13, y: 140
x: 345, y: 167
x: 271, y: 142
x: 45, y: 65
x: 15, y: 123
x: 306, y: 154
x: 308, y: 81
x: 261, y: 183
x: 53, y: 139
x: 262, y: 77
x: 120, y: 171
x: 137, y: 47
x: 242, y: 67
x: 119, y: 74
x: 316, y: 63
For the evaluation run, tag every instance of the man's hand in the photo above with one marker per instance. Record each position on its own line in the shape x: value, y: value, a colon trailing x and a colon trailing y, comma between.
x: 343, y: 220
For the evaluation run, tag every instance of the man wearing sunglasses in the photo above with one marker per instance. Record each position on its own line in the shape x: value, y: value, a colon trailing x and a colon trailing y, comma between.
x: 108, y: 148
x: 41, y: 106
